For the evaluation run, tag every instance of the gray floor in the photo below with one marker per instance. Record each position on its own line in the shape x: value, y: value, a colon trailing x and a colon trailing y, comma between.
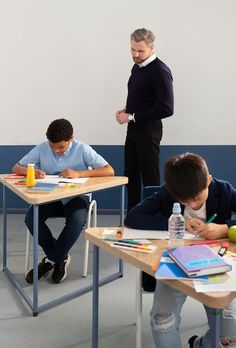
x: 69, y: 325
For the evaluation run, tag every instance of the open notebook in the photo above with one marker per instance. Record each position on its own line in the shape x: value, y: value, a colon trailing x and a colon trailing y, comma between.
x: 55, y: 179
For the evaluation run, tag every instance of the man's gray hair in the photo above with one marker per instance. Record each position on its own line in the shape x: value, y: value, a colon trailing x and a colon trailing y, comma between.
x: 143, y: 35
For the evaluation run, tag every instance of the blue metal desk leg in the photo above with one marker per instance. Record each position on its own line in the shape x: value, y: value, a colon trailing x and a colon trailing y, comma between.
x: 35, y: 260
x: 4, y: 208
x: 122, y: 205
x: 215, y: 315
x: 95, y: 296
x: 122, y: 217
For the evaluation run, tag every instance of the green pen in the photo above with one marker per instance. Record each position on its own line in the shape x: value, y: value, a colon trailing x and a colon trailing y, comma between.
x: 122, y: 241
x: 211, y: 218
x: 110, y: 239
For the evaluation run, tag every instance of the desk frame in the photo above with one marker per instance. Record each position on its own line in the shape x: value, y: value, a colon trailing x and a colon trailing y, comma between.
x: 33, y: 303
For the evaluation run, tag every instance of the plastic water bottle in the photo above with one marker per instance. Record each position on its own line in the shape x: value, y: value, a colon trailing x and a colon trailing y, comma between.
x: 176, y: 226
x: 30, y: 175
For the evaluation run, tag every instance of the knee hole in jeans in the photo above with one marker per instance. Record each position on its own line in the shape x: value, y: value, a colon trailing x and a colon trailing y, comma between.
x: 228, y: 314
x: 163, y: 321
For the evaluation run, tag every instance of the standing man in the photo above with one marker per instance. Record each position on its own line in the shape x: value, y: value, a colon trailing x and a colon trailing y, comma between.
x: 150, y: 98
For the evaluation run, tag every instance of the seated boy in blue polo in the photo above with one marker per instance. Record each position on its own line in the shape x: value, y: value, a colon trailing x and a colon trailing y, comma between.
x: 69, y: 158
x: 188, y: 182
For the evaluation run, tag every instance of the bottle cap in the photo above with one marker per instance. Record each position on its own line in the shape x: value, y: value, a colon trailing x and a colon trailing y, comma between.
x: 176, y: 208
x: 225, y: 245
x: 30, y: 164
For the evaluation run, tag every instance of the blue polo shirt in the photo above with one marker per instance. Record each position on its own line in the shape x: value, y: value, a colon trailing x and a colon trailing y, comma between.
x: 78, y: 156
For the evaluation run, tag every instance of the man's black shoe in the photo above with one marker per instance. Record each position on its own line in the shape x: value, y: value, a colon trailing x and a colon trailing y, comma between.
x: 191, y: 341
x: 43, y: 269
x: 60, y: 270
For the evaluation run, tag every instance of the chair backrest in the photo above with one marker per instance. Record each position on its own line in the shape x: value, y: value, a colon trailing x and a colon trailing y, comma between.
x: 149, y: 282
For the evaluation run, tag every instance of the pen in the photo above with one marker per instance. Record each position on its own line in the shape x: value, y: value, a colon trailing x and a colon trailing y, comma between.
x: 213, y: 241
x: 122, y: 241
x: 64, y: 182
x: 111, y: 239
x: 211, y: 218
x: 131, y: 246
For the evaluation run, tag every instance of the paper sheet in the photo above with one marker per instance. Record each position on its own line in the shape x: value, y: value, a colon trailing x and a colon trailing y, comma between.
x: 55, y: 179
x: 219, y: 283
x: 130, y: 233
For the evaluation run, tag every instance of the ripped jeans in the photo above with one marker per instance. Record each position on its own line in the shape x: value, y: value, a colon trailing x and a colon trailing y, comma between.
x: 165, y: 318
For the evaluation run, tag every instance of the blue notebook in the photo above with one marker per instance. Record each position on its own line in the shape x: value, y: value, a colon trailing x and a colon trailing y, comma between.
x: 168, y: 269
x: 41, y: 187
x: 197, y: 260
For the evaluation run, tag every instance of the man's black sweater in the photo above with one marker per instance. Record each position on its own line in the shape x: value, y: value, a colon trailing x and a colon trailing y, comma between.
x: 150, y: 96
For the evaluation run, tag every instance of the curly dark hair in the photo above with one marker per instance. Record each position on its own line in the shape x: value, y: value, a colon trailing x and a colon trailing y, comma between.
x: 59, y: 130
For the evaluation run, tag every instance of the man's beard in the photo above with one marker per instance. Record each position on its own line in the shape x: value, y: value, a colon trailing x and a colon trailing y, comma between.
x: 138, y: 60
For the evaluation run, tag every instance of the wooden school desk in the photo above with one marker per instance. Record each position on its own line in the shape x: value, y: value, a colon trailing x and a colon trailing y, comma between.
x: 145, y: 262
x: 36, y: 199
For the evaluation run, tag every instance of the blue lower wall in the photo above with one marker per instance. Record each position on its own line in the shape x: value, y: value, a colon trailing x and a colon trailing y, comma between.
x: 220, y: 161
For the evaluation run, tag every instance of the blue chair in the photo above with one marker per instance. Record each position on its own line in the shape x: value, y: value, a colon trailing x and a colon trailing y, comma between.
x: 144, y: 282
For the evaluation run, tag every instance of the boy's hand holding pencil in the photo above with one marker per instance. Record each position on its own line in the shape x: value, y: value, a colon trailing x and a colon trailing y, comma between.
x: 208, y: 230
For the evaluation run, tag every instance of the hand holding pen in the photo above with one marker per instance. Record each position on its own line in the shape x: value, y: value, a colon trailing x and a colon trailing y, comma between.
x: 196, y: 226
x: 211, y: 230
x: 193, y: 225
x: 39, y: 174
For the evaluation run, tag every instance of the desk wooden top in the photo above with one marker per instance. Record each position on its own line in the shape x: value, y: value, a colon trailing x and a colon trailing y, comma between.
x: 91, y: 185
x: 145, y: 262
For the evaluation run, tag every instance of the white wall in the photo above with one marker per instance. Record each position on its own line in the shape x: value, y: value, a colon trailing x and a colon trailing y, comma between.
x: 71, y: 58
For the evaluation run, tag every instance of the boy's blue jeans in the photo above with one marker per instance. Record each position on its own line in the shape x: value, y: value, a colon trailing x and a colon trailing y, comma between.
x: 75, y: 213
x: 165, y: 318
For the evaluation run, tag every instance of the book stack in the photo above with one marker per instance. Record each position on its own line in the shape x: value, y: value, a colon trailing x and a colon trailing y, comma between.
x: 197, y: 260
x: 168, y: 269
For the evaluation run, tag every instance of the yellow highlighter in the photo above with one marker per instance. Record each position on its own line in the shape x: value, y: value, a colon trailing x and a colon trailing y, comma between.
x: 67, y: 185
x: 71, y: 185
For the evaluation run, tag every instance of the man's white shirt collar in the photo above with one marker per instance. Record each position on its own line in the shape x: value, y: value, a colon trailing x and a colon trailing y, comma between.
x: 148, y: 61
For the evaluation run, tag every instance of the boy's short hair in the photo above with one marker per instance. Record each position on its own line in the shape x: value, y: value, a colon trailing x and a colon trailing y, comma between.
x: 59, y: 130
x: 186, y: 176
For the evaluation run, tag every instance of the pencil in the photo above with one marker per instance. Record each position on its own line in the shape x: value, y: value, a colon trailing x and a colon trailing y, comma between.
x: 212, y: 241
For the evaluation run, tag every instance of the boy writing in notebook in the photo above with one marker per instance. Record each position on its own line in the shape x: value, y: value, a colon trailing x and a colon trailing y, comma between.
x: 188, y: 182
x: 61, y: 154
